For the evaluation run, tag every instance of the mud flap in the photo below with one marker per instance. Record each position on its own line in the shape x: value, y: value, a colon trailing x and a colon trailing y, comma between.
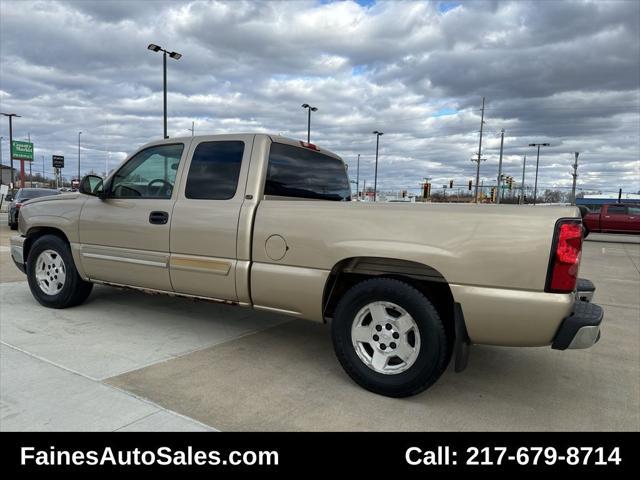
x: 462, y: 343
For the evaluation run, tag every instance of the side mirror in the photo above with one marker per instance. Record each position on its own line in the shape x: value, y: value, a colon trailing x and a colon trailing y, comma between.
x: 91, y: 185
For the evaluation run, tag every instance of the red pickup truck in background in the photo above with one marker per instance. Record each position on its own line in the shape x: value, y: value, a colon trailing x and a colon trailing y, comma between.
x: 613, y: 218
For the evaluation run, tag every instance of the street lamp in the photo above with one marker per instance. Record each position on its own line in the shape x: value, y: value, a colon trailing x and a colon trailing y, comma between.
x: 11, y: 115
x: 375, y: 177
x: 358, y: 179
x: 79, y: 133
x: 310, y: 109
x: 535, y: 187
x: 175, y: 56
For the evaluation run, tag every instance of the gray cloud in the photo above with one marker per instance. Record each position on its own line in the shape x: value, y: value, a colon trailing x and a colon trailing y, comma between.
x: 562, y: 72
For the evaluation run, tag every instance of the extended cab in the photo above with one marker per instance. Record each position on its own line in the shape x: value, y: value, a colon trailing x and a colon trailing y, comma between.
x: 613, y: 218
x: 268, y: 222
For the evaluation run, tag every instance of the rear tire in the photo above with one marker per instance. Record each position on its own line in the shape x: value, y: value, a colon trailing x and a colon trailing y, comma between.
x: 52, y: 275
x: 389, y: 338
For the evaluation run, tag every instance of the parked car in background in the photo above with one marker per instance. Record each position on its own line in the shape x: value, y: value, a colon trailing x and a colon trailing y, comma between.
x: 613, y: 218
x: 23, y: 195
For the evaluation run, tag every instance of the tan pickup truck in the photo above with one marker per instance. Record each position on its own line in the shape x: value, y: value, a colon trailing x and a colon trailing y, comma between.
x: 268, y: 222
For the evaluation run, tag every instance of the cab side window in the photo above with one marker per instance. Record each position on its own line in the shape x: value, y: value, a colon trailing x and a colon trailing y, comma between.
x: 214, y: 170
x: 617, y: 209
x: 150, y: 173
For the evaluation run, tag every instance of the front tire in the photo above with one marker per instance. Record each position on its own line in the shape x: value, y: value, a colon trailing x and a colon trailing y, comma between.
x: 389, y: 338
x: 52, y: 275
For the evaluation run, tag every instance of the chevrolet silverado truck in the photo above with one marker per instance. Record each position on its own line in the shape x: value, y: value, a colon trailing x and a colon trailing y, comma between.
x: 267, y: 222
x: 613, y: 218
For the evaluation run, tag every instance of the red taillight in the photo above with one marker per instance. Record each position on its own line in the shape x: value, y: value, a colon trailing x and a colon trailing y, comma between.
x: 566, y: 257
x: 18, y: 205
x: 309, y: 145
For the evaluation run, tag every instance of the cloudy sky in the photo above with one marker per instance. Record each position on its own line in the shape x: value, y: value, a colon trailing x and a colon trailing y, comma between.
x: 566, y: 73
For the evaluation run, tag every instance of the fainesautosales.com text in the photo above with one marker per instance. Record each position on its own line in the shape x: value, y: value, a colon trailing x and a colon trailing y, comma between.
x: 160, y: 456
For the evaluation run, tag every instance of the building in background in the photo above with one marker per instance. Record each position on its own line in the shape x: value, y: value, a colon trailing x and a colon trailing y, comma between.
x: 5, y: 175
x: 602, y: 198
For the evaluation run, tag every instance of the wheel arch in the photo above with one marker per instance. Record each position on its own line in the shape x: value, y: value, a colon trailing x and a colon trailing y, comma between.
x: 426, y: 279
x: 35, y: 233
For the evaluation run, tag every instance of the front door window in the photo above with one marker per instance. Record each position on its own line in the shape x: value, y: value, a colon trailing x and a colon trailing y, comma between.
x: 150, y: 173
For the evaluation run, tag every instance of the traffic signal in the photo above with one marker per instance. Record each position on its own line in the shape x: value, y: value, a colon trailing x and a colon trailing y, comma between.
x: 493, y: 194
x: 510, y: 183
x: 426, y: 190
x: 470, y: 184
x: 450, y: 183
x: 404, y: 194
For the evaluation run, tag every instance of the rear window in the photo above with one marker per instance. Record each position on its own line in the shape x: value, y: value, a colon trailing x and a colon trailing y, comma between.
x: 303, y: 173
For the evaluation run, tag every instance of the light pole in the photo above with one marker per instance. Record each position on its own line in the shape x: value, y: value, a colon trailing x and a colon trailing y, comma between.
x: 535, y: 185
x: 11, y: 115
x: 375, y: 175
x: 309, y: 109
x: 79, y: 133
x: 358, y: 179
x: 174, y: 55
x: 524, y: 166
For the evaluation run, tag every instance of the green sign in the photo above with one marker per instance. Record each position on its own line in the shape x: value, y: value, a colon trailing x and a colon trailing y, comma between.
x: 22, y: 150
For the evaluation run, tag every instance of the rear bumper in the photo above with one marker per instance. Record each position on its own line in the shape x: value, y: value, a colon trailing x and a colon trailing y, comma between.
x: 17, y: 252
x: 581, y: 329
x: 585, y: 289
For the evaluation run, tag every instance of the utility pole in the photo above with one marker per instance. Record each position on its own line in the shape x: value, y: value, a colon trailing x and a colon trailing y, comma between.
x: 193, y: 128
x: 11, y: 115
x: 575, y: 176
x: 79, y: 133
x: 30, y: 176
x: 479, y: 150
x: 500, y: 167
x: 358, y: 179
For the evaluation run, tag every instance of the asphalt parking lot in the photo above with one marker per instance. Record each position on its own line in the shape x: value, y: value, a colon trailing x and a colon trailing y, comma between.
x: 129, y: 361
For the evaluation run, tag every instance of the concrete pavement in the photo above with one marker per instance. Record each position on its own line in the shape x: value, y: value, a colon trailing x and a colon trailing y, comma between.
x: 128, y: 361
